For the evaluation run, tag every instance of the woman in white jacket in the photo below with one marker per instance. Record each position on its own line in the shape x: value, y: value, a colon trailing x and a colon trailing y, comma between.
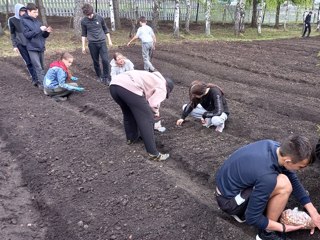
x: 120, y: 64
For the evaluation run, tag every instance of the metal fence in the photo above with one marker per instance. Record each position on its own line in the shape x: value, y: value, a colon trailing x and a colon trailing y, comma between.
x: 220, y: 12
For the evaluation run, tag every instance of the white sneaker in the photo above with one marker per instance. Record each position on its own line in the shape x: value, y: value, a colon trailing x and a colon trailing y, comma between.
x: 220, y: 127
x: 159, y: 157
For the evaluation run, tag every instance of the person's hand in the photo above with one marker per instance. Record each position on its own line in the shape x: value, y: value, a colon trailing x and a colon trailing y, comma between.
x: 43, y: 28
x: 73, y: 78
x: 110, y: 43
x: 84, y: 50
x: 16, y: 50
x: 316, y: 220
x: 203, y: 121
x: 179, y: 122
x: 128, y: 44
x: 79, y: 89
x: 49, y: 29
x: 291, y: 228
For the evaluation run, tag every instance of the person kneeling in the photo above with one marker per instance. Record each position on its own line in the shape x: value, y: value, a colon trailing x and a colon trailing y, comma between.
x: 55, y: 81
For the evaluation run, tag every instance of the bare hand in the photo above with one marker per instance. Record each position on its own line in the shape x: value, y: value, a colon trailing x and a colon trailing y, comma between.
x: 49, y: 29
x: 16, y: 50
x: 179, y: 122
x: 203, y: 121
x: 291, y: 228
x: 84, y: 50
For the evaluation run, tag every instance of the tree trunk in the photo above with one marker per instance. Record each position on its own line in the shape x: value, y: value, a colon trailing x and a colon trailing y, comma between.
x: 286, y: 17
x: 254, y: 13
x: 176, y: 33
x: 113, y: 26
x: 188, y: 14
x: 42, y: 12
x: 260, y: 15
x: 155, y: 15
x: 318, y: 22
x: 116, y: 14
x: 134, y: 18
x: 276, y: 25
x: 77, y: 17
x: 208, y: 18
x: 239, y: 15
x: 1, y: 30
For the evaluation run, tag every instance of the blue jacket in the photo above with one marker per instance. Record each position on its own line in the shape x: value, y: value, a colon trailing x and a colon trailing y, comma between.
x: 256, y: 166
x: 36, y: 38
x: 55, y: 78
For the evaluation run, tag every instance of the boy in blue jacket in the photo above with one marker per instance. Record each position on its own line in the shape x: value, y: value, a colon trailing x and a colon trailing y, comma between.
x: 36, y: 35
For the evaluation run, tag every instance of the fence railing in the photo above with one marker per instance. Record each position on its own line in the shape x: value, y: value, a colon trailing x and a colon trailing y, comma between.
x: 220, y: 12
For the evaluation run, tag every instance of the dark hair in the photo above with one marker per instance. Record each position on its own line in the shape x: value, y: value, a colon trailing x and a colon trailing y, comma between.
x: 143, y: 19
x: 117, y: 54
x: 31, y: 6
x: 87, y: 9
x: 297, y: 147
x: 198, y: 88
x: 65, y: 56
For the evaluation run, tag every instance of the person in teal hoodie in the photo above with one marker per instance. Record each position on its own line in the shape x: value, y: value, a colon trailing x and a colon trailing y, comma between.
x: 19, y: 41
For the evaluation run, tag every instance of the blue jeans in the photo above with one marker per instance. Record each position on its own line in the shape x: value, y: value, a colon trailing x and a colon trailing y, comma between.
x: 25, y: 55
x: 99, y: 49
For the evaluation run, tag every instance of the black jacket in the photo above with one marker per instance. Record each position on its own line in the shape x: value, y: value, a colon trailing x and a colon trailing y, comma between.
x: 94, y: 29
x: 36, y: 38
x: 214, y: 102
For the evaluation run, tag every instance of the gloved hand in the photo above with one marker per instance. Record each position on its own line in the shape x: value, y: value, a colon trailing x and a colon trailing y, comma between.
x: 79, y: 89
x: 74, y: 78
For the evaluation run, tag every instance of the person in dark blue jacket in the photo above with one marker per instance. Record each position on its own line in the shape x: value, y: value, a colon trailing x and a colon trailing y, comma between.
x: 19, y: 41
x: 255, y: 182
x: 36, y: 35
x: 307, y: 25
x: 207, y: 102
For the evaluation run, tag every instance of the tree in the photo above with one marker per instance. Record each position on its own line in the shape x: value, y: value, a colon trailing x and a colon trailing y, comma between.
x: 260, y: 16
x: 208, y: 18
x: 42, y: 12
x: 116, y: 14
x: 277, y: 21
x: 176, y: 33
x: 155, y: 15
x: 254, y: 13
x: 286, y: 16
x: 188, y: 13
x: 113, y: 26
x: 77, y: 16
x: 134, y: 18
x: 239, y: 15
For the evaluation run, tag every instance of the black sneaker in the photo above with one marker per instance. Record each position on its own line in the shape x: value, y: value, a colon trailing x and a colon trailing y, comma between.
x: 240, y: 219
x: 60, y: 99
x: 264, y: 235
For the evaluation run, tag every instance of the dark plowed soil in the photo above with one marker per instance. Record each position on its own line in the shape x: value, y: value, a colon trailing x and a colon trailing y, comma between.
x: 67, y: 173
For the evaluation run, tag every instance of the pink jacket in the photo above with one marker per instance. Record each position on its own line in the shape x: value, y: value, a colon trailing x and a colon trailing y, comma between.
x: 143, y: 83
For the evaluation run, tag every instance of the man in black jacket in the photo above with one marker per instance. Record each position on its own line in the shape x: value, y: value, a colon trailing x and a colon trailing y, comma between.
x: 307, y: 25
x: 19, y: 41
x: 36, y: 35
x: 94, y: 29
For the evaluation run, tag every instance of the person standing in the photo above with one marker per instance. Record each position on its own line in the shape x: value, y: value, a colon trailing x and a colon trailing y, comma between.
x: 207, y: 102
x: 148, y: 40
x: 36, y: 35
x: 19, y: 41
x: 254, y: 184
x: 95, y: 30
x: 139, y: 94
x: 307, y: 25
x: 120, y: 64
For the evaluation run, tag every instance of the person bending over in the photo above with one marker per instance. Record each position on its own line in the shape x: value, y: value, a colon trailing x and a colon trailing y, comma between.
x: 57, y: 80
x: 207, y: 102
x: 255, y: 182
x: 139, y: 94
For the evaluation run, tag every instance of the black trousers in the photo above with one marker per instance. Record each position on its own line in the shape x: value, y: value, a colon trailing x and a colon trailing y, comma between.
x: 25, y: 55
x: 137, y: 117
x: 98, y: 50
x: 307, y: 27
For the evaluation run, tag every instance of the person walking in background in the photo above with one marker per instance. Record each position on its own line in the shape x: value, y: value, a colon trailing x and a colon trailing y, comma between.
x: 254, y: 184
x: 148, y: 40
x: 207, y: 102
x: 57, y: 80
x: 120, y: 64
x: 36, y: 35
x: 95, y: 30
x: 19, y: 41
x: 139, y: 94
x: 307, y: 25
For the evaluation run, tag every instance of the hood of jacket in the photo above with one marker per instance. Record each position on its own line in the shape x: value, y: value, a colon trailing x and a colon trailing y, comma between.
x: 17, y: 8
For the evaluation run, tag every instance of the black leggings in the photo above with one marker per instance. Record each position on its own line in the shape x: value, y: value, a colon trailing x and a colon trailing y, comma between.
x: 137, y: 117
